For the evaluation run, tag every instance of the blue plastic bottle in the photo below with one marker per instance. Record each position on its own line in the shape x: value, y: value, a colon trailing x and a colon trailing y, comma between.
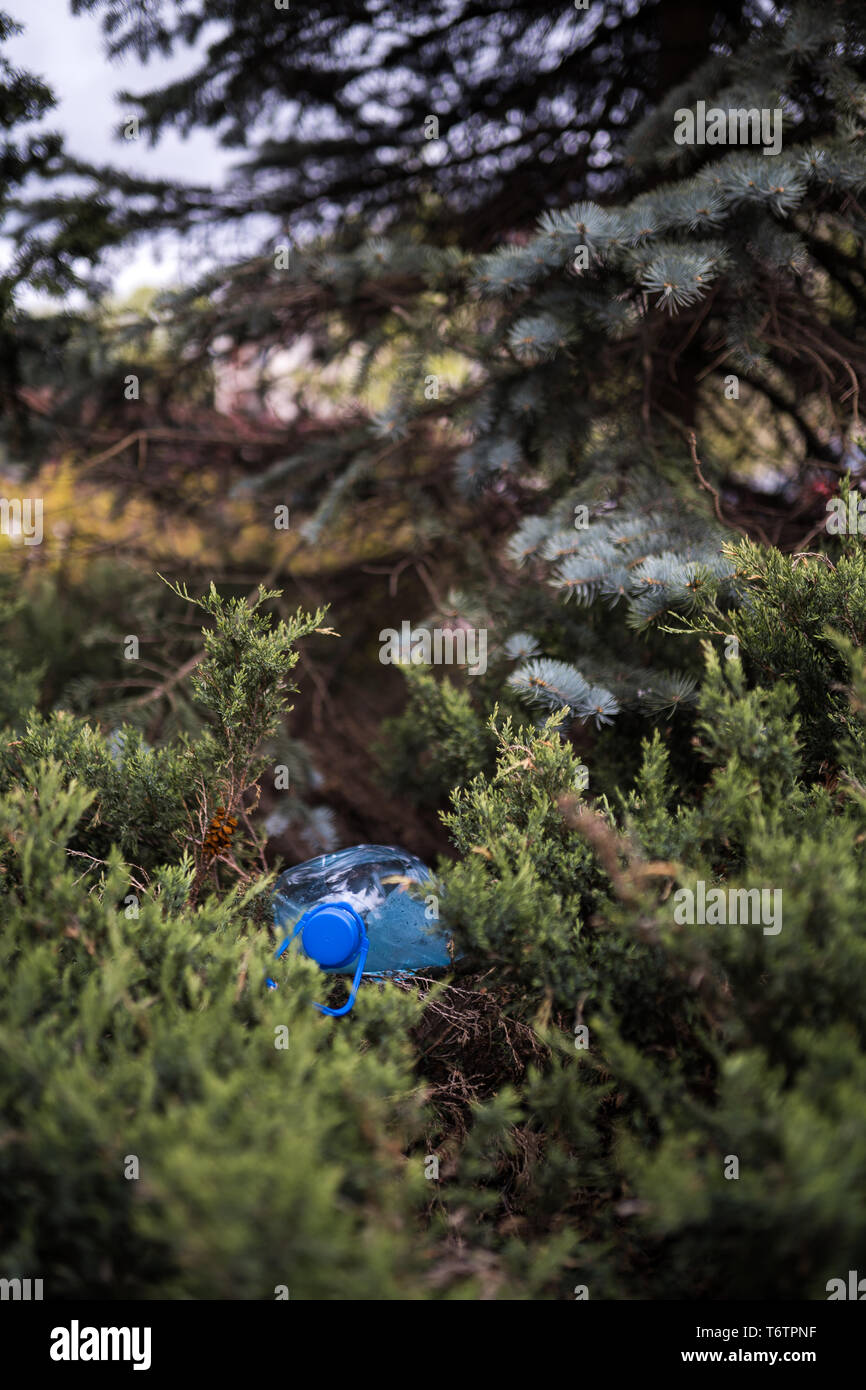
x: 353, y: 913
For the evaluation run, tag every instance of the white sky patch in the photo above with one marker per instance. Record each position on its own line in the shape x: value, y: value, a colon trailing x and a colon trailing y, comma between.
x: 68, y: 54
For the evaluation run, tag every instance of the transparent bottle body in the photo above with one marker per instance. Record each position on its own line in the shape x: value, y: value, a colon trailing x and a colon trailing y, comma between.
x: 385, y: 886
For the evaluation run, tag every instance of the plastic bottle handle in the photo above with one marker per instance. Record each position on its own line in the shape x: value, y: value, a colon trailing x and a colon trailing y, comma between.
x: 345, y: 1008
x: 356, y: 983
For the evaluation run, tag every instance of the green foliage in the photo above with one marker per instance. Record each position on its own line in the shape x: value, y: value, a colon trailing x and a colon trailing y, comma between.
x: 243, y: 678
x: 534, y: 118
x: 583, y: 329
x: 587, y: 1080
x: 509, y: 900
x: 152, y: 802
x: 135, y: 1026
x: 140, y: 795
x: 19, y: 677
x: 798, y: 619
x: 705, y: 1042
x: 153, y: 1037
x: 437, y: 743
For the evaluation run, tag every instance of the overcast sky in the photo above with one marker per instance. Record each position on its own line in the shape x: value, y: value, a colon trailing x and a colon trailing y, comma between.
x: 68, y: 54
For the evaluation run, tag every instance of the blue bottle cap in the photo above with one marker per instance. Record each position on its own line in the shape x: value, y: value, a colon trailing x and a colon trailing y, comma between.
x: 331, y: 934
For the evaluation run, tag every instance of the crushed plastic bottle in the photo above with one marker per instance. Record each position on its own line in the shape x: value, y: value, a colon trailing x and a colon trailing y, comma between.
x: 353, y: 913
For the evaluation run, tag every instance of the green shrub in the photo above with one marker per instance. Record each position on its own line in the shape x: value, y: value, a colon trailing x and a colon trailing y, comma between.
x: 710, y: 1048
x: 616, y: 1099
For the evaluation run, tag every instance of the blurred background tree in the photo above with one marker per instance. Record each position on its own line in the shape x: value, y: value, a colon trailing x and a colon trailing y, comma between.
x: 331, y: 105
x: 449, y: 410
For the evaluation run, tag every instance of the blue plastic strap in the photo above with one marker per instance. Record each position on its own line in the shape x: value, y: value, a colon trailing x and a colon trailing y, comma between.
x: 356, y: 983
x: 289, y: 939
x: 362, y: 957
x: 272, y: 984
